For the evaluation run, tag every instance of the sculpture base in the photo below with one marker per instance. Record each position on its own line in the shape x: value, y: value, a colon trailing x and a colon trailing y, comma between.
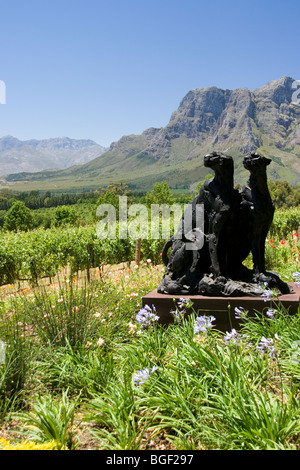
x: 220, y: 307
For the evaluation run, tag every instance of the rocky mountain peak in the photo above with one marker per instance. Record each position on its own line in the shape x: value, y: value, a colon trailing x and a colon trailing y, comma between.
x: 211, y: 100
x: 279, y: 91
x: 223, y: 119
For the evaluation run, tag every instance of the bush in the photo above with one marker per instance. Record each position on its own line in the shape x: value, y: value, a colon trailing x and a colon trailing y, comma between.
x: 160, y: 194
x: 18, y: 218
x: 64, y: 215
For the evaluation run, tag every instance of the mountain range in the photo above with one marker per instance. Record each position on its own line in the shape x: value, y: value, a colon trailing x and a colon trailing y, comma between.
x: 235, y: 122
x: 18, y: 156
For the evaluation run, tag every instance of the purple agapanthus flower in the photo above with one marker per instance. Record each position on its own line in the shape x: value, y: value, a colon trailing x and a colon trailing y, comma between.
x: 239, y: 312
x: 147, y: 315
x: 296, y: 276
x: 203, y: 323
x: 270, y: 313
x: 232, y: 337
x: 267, y: 294
x: 182, y: 302
x: 266, y: 345
x: 142, y: 375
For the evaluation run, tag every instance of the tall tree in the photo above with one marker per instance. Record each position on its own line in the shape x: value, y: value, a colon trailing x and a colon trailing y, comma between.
x: 160, y: 194
x: 18, y: 218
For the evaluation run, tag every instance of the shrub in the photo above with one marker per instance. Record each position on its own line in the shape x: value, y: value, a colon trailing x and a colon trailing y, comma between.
x: 18, y: 218
x: 64, y: 215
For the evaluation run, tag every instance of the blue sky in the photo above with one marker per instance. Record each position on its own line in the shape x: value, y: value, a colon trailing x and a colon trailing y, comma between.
x: 103, y: 69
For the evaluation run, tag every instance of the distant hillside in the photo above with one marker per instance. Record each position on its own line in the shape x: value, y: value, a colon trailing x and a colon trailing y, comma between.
x: 18, y: 156
x: 232, y: 121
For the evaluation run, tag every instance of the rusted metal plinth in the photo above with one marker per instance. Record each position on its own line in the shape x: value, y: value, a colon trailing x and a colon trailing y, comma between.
x: 220, y: 307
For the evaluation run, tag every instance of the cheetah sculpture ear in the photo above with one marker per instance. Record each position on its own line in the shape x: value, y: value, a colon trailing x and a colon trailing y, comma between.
x: 268, y: 160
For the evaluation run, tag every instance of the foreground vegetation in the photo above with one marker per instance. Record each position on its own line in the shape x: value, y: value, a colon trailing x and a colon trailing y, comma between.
x: 87, y: 368
x: 83, y: 365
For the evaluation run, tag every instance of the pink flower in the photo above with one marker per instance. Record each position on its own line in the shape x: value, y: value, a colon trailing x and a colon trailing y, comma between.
x: 132, y: 327
x: 100, y: 342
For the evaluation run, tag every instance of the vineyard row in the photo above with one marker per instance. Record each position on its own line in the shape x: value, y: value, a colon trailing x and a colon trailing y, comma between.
x: 43, y: 253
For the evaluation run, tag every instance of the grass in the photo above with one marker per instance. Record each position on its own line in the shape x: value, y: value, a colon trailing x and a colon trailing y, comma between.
x: 82, y: 373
